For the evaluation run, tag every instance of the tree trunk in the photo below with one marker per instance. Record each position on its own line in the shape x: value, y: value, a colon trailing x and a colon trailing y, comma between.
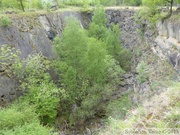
x: 171, y: 2
x: 22, y: 6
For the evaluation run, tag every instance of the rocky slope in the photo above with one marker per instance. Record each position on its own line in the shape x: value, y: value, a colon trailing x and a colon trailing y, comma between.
x: 34, y: 33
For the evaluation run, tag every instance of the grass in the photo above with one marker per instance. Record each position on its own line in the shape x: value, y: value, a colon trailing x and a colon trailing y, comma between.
x: 161, y: 113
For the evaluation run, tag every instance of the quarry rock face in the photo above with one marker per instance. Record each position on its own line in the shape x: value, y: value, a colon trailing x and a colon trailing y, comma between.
x: 168, y: 41
x: 35, y: 34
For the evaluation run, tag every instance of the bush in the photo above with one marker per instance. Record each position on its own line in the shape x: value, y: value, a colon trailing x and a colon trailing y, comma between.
x: 40, y: 90
x: 17, y: 115
x: 33, y: 128
x: 124, y: 59
x: 34, y: 80
x: 5, y: 21
x: 143, y: 74
x: 45, y: 98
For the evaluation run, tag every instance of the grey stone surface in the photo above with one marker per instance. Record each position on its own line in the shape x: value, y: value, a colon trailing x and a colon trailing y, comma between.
x: 168, y: 41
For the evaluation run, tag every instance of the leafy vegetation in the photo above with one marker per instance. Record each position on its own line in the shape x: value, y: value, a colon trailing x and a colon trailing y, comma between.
x: 110, y: 36
x: 142, y: 70
x: 154, y: 9
x: 20, y: 118
x: 85, y: 67
x: 88, y: 68
x: 5, y: 21
x: 87, y: 71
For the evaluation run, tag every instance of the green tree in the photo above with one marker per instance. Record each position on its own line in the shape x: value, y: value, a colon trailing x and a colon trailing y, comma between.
x: 84, y: 67
x: 0, y: 3
x: 110, y: 36
x: 153, y: 5
x: 112, y: 41
x: 71, y: 49
x: 97, y: 28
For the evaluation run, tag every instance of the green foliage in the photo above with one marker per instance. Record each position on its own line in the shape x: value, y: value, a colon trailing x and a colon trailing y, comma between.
x: 17, y: 115
x: 8, y: 57
x: 118, y: 108
x: 20, y: 119
x: 10, y: 4
x: 152, y: 4
x: 37, y: 4
x: 85, y: 69
x: 111, y: 38
x: 96, y: 65
x: 112, y: 41
x: 135, y: 2
x: 125, y: 59
x: 45, y: 98
x: 42, y: 93
x: 153, y: 9
x: 5, y: 21
x: 97, y: 28
x: 28, y: 129
x: 32, y: 76
x: 142, y: 70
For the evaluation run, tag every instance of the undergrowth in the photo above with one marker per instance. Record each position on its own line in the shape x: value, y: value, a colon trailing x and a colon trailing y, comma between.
x: 160, y: 114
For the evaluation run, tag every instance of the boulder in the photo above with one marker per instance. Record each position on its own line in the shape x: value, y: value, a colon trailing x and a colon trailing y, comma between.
x: 174, y: 59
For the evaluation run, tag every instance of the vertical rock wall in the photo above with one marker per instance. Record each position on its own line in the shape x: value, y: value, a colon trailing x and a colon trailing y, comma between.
x: 168, y: 41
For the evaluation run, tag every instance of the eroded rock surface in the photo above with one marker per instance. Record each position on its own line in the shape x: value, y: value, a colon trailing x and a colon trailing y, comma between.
x: 168, y: 41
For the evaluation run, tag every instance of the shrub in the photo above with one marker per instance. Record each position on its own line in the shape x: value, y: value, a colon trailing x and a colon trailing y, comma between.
x: 45, y: 98
x: 5, y: 21
x: 17, y: 115
x: 38, y: 87
x: 142, y: 70
x: 124, y: 59
x: 35, y: 81
x: 33, y: 128
x: 8, y: 55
